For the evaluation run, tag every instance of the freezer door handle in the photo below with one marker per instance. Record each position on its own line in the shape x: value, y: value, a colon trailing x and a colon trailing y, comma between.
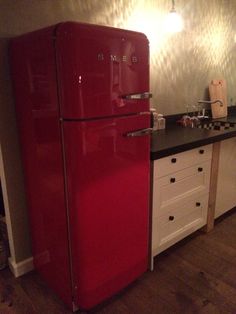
x: 145, y: 95
x: 141, y: 132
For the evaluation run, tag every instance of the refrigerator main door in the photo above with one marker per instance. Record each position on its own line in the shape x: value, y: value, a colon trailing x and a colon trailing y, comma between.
x: 108, y: 196
x: 99, y: 68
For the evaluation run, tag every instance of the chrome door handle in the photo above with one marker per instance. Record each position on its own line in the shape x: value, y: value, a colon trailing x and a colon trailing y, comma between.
x: 145, y: 95
x: 137, y: 133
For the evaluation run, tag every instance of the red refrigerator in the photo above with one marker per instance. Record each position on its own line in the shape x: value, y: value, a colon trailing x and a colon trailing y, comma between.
x: 82, y: 106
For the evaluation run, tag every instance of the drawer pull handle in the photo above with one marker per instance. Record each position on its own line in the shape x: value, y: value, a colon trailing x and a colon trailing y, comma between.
x: 171, y: 218
x: 172, y: 180
x: 198, y: 204
x: 200, y: 169
x: 173, y: 160
x: 201, y: 151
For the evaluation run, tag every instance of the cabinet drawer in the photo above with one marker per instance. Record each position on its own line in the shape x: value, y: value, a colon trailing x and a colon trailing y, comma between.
x: 178, y: 222
x: 183, y: 184
x: 174, y: 163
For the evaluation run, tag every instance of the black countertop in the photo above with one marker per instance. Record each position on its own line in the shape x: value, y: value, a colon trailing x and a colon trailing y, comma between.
x: 175, y: 138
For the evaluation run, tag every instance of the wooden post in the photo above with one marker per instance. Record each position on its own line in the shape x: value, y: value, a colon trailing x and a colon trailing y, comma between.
x: 213, y: 187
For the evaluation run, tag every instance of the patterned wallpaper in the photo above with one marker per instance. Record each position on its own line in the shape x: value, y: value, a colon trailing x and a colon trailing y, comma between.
x: 182, y: 64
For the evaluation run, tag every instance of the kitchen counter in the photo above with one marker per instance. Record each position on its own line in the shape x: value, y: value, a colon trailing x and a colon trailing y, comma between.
x: 175, y: 138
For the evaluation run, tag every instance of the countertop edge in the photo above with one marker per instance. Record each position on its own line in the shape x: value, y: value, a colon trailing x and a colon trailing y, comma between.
x: 193, y: 144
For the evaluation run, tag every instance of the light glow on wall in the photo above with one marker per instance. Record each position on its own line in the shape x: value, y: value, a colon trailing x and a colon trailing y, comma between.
x: 173, y: 22
x: 149, y: 22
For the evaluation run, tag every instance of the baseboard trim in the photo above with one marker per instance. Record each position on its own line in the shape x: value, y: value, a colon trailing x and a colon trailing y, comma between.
x: 21, y: 268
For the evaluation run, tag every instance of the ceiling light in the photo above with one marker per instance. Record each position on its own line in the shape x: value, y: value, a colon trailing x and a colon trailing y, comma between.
x: 173, y: 22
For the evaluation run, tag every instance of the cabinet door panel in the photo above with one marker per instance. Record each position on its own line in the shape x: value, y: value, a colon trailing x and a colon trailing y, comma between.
x: 188, y: 182
x: 178, y: 222
x: 226, y: 183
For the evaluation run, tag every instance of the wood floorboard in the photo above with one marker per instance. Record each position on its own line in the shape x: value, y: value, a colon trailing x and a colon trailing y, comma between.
x: 197, y: 275
x: 220, y: 248
x: 142, y: 299
x: 43, y: 298
x: 181, y: 297
x: 209, y: 263
x: 203, y: 284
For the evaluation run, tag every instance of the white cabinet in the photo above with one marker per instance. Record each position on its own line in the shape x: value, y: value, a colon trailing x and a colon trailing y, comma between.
x: 226, y: 182
x: 178, y: 222
x: 180, y: 196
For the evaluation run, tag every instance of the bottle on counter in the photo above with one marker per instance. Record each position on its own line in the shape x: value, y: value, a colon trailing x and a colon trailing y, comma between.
x: 161, y: 122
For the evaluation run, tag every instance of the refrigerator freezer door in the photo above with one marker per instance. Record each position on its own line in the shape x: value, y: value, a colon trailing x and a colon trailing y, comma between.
x: 98, y: 67
x: 108, y: 194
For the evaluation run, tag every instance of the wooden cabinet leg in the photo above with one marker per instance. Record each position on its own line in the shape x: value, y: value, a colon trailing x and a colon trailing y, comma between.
x: 213, y: 187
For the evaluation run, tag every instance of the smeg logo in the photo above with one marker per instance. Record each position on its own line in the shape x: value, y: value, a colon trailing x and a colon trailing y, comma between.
x: 116, y: 58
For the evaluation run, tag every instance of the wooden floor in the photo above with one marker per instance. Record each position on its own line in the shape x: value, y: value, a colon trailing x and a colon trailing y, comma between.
x: 197, y: 275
